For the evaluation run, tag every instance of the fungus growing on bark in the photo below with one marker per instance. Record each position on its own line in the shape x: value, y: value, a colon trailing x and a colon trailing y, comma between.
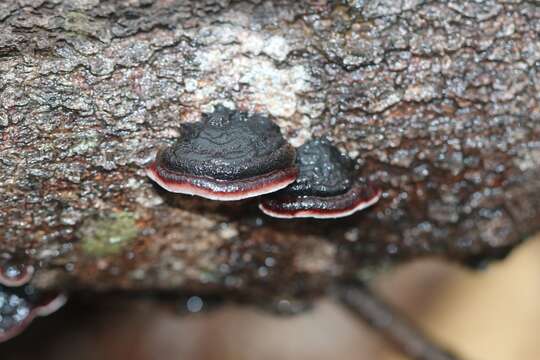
x: 13, y: 274
x: 19, y: 306
x: 226, y: 156
x: 325, y: 188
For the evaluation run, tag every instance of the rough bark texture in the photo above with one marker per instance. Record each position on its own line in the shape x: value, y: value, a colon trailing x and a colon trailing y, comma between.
x: 437, y: 101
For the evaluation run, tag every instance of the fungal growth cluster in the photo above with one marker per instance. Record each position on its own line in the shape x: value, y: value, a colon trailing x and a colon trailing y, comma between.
x: 229, y: 155
x: 20, y: 302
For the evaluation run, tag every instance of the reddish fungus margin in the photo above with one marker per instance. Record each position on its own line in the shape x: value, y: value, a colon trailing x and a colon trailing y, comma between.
x: 319, y: 207
x: 17, y: 312
x: 15, y: 275
x: 222, y: 190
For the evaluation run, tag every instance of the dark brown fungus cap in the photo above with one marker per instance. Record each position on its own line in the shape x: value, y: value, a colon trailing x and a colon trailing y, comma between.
x: 226, y: 156
x: 19, y: 306
x: 325, y: 187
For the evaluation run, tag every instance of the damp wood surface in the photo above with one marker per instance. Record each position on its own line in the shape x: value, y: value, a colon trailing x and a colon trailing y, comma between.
x: 437, y: 102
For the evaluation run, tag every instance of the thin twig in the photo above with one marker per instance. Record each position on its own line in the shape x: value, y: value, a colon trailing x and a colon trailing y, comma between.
x: 389, y: 322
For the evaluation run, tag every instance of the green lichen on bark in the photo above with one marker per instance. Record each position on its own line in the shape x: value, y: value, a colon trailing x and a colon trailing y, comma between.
x: 107, y: 235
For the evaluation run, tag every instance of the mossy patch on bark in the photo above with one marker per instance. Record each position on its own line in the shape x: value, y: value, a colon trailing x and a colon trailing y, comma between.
x: 108, y: 235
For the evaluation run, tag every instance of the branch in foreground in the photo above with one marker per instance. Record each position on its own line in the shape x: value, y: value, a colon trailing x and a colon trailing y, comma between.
x: 388, y: 322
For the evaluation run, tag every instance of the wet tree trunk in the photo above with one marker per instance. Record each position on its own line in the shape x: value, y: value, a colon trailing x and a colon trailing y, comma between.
x: 437, y: 102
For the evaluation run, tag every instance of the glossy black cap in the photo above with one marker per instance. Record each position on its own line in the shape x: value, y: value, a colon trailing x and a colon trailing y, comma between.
x: 228, y: 155
x: 326, y: 186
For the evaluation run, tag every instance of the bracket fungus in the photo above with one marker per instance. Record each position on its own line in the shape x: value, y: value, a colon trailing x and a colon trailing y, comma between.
x: 325, y: 188
x: 20, y: 305
x: 229, y: 155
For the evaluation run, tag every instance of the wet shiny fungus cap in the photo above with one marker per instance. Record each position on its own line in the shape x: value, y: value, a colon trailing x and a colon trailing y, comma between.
x: 325, y: 187
x: 13, y: 273
x: 20, y: 305
x: 228, y: 155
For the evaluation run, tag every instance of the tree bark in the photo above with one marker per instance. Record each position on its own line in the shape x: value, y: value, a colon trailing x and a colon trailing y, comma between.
x: 437, y: 102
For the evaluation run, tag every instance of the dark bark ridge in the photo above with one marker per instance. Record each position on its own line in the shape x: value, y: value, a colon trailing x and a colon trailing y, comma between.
x: 437, y: 102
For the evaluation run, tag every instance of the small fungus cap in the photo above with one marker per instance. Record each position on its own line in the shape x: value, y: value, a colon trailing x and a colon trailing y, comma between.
x: 228, y: 155
x: 323, y: 170
x: 326, y: 186
x: 15, y: 273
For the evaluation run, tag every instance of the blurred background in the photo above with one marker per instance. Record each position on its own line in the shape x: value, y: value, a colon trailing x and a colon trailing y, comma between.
x: 491, y: 314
